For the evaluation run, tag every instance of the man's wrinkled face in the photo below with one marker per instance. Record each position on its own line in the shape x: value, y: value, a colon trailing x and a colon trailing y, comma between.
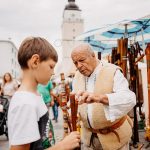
x: 84, y: 62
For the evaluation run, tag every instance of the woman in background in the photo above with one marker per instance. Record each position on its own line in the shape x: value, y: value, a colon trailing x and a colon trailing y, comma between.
x: 9, y: 86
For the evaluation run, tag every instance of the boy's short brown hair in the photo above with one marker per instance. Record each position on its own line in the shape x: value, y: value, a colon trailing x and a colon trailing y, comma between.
x: 35, y: 45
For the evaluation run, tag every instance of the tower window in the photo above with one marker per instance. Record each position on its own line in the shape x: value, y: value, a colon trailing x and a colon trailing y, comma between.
x: 12, y: 61
x: 12, y: 71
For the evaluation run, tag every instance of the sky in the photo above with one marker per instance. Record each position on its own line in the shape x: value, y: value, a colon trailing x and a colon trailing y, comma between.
x: 22, y: 18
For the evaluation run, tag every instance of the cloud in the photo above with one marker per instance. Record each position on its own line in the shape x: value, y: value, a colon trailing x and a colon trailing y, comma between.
x: 21, y: 18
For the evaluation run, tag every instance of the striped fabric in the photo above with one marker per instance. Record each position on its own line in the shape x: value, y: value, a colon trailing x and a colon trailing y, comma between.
x: 103, y: 39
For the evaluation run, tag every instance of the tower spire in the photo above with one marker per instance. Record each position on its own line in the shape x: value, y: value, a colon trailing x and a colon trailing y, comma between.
x: 71, y: 5
x: 71, y: 0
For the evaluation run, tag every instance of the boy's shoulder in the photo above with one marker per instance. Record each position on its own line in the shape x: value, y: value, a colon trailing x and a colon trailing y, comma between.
x: 23, y: 97
x: 27, y: 101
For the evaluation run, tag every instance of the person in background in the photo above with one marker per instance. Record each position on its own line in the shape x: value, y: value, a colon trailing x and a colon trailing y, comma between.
x: 71, y: 76
x: 104, y: 100
x: 1, y: 93
x: 9, y: 86
x: 55, y: 97
x: 46, y: 91
x: 28, y: 118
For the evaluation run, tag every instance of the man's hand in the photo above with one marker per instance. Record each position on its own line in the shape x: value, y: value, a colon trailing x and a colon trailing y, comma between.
x: 87, y: 97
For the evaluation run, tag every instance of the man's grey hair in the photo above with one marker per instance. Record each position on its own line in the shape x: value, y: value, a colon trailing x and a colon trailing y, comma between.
x: 84, y: 46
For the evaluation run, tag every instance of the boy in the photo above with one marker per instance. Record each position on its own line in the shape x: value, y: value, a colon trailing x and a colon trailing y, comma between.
x: 28, y: 121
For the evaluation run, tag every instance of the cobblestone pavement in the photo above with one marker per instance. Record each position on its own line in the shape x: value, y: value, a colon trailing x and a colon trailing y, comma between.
x: 3, y: 143
x: 58, y: 129
x: 142, y: 143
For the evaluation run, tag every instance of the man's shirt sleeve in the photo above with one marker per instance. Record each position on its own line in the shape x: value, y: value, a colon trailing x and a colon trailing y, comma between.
x: 122, y: 100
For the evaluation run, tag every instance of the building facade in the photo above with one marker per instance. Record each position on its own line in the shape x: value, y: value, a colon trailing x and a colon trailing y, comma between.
x: 8, y: 59
x: 72, y: 26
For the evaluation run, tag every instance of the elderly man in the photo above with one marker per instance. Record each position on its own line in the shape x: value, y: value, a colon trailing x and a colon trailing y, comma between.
x: 104, y: 99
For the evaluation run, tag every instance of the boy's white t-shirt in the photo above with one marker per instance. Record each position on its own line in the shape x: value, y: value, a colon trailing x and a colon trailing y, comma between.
x: 25, y: 111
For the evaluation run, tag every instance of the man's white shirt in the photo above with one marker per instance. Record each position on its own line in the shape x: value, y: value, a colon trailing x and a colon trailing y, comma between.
x: 121, y: 101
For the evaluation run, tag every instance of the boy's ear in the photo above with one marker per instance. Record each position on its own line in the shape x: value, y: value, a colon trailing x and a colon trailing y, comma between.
x: 34, y: 61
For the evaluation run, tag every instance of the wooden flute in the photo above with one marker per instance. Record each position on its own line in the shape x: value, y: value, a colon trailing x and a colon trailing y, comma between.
x: 74, y: 119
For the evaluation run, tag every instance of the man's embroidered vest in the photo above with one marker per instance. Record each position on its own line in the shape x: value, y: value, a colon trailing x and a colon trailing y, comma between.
x: 103, y: 85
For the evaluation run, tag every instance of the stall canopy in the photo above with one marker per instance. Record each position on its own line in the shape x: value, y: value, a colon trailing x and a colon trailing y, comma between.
x: 103, y: 39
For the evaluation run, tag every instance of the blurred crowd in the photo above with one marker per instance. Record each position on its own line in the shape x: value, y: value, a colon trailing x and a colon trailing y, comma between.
x: 49, y: 92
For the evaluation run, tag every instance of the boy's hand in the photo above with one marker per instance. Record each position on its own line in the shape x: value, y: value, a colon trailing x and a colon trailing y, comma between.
x: 71, y: 141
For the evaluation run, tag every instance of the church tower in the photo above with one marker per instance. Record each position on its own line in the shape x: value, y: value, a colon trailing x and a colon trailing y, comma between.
x: 72, y: 26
